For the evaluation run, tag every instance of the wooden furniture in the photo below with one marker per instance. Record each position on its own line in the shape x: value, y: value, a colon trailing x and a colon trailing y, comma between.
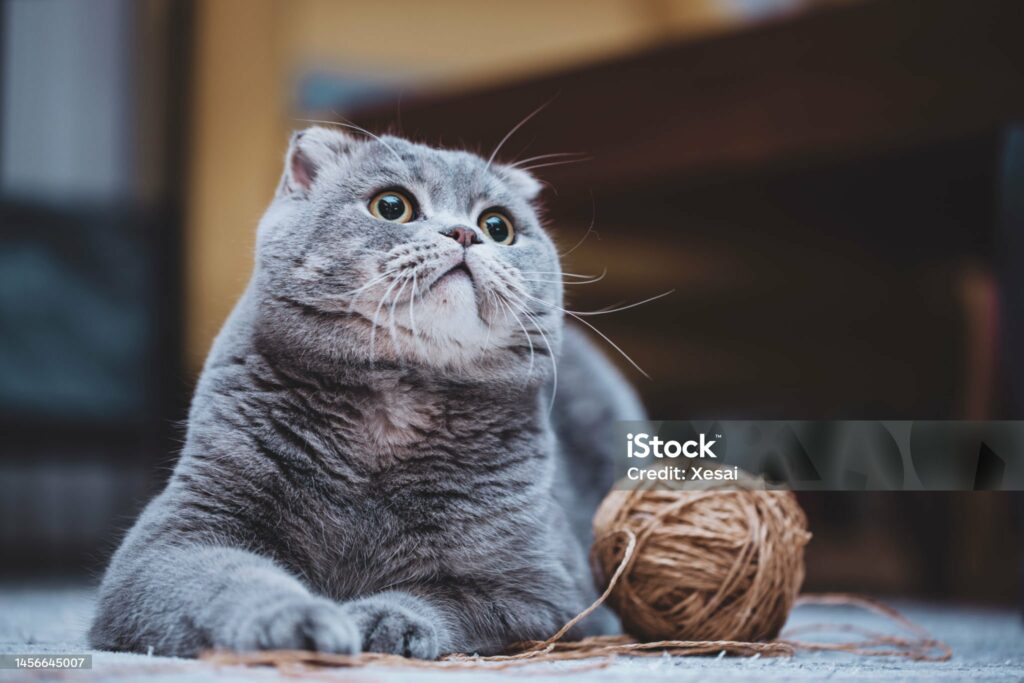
x: 822, y: 194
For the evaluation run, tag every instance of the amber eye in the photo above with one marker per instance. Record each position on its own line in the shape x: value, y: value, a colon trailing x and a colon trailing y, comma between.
x: 392, y: 205
x: 497, y: 226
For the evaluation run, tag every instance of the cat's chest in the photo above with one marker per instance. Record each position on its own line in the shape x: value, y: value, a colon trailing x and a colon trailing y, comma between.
x: 388, y: 535
x: 393, y: 421
x: 422, y: 487
x: 367, y: 425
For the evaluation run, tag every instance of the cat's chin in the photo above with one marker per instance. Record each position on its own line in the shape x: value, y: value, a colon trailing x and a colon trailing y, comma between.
x: 448, y: 316
x: 453, y: 336
x: 455, y: 288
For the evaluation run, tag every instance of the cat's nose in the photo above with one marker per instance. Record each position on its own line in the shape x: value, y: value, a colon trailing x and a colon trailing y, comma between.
x: 463, y: 236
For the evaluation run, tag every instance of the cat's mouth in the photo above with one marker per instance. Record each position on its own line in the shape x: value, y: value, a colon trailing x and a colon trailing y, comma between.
x: 458, y: 271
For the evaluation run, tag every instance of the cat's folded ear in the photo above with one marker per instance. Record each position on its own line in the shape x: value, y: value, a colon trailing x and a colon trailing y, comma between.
x: 520, y: 181
x: 310, y: 152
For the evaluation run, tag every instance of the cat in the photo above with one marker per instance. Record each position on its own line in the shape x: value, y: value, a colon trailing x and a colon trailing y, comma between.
x: 396, y: 445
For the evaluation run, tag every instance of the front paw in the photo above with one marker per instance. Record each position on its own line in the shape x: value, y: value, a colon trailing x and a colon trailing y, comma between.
x: 389, y: 627
x: 300, y: 624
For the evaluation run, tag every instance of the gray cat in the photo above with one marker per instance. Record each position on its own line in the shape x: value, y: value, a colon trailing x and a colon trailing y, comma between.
x: 377, y: 456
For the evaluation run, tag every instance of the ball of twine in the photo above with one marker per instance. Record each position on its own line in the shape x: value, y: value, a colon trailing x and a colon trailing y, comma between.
x: 706, y: 564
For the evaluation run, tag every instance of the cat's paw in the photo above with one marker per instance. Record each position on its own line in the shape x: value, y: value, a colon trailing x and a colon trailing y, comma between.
x: 389, y: 627
x: 301, y: 624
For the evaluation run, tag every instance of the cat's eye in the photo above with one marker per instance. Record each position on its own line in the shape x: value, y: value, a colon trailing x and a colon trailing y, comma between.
x: 392, y: 205
x: 497, y: 226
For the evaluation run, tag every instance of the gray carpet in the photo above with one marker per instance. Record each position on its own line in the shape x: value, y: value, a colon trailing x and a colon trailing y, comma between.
x: 987, y: 645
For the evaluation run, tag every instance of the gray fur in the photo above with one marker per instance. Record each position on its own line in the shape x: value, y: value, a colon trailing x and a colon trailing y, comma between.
x: 365, y: 470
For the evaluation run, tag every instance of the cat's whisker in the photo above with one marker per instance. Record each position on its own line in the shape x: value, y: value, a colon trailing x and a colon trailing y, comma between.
x: 551, y: 354
x: 412, y: 317
x: 529, y: 340
x: 512, y: 132
x: 367, y: 285
x: 564, y: 162
x: 541, y: 157
x: 590, y: 229
x: 614, y: 308
x: 376, y: 315
x: 394, y: 304
x: 559, y: 282
x: 361, y: 290
x: 563, y: 273
x: 490, y: 297
x: 583, y: 320
x: 605, y: 311
x: 359, y: 129
x: 572, y: 282
x: 550, y: 186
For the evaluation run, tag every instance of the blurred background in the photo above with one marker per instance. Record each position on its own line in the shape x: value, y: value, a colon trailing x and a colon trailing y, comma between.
x: 834, y: 188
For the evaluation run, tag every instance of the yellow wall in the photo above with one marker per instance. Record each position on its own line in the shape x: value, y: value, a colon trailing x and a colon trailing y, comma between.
x: 235, y: 147
x: 249, y: 51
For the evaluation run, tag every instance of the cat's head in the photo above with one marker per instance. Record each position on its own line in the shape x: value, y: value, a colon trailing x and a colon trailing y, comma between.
x: 379, y: 249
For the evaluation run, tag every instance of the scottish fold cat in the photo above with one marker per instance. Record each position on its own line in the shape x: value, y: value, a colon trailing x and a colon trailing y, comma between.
x: 396, y: 444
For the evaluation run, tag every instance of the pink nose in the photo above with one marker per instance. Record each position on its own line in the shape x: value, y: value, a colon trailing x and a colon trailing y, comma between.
x: 463, y: 236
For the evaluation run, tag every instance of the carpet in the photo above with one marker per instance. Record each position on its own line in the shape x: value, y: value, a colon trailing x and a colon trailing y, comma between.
x: 988, y: 644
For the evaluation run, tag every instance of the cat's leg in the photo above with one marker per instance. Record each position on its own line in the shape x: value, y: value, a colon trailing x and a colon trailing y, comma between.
x: 182, y: 599
x: 397, y: 622
x: 508, y: 596
x: 482, y: 616
x: 438, y: 620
